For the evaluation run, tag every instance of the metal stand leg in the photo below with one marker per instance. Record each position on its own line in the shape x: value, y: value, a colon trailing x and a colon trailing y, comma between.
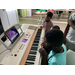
x: 40, y: 19
x: 58, y: 15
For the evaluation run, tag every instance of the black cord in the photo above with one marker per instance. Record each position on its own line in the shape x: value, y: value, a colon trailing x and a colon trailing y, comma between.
x: 54, y: 54
x: 3, y: 51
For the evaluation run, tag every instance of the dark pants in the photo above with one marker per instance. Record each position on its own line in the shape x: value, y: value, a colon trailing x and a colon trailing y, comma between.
x: 59, y: 13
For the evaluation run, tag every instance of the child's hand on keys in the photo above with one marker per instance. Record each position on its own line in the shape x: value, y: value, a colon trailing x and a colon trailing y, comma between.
x: 43, y: 44
x: 41, y: 26
x: 42, y: 52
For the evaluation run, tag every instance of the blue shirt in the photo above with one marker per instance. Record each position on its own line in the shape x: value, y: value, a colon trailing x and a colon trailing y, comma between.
x: 58, y: 58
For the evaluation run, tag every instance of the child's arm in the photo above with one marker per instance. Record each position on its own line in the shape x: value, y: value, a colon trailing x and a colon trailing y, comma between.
x: 42, y: 24
x: 65, y: 32
x: 44, y: 55
x: 43, y: 44
x: 70, y: 21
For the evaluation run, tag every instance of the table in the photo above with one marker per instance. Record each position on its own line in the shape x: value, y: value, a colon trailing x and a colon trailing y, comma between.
x: 40, y: 13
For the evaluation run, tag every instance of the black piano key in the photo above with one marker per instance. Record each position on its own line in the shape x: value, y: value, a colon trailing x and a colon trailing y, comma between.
x: 29, y: 63
x: 35, y: 41
x: 36, y: 38
x: 31, y: 59
x: 39, y: 29
x: 34, y: 48
x: 35, y: 44
x: 31, y: 56
x: 31, y: 52
x: 38, y: 33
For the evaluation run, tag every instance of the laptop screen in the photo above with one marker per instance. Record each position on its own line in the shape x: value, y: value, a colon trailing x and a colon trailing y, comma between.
x: 12, y: 34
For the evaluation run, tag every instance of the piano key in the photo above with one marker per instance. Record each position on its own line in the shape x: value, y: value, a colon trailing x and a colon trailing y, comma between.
x: 38, y: 33
x: 36, y: 41
x: 39, y: 29
x: 29, y: 63
x: 31, y: 56
x: 34, y: 48
x: 35, y: 44
x: 31, y: 59
x: 37, y: 38
x: 31, y: 52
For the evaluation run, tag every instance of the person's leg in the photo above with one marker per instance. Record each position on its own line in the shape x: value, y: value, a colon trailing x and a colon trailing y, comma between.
x: 69, y: 13
x: 60, y: 13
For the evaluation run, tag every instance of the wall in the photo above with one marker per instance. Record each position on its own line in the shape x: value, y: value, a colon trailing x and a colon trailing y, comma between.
x: 25, y: 12
x: 12, y: 17
x: 29, y: 12
x: 8, y: 18
x: 4, y: 19
x: 17, y: 15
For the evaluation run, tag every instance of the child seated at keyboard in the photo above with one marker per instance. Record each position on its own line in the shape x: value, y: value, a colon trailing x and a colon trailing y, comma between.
x: 43, y: 43
x: 47, y: 24
x: 54, y: 42
x: 55, y: 27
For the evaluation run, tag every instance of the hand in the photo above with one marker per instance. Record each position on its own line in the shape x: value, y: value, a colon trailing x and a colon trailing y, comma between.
x: 44, y: 44
x: 43, y: 52
x: 41, y: 26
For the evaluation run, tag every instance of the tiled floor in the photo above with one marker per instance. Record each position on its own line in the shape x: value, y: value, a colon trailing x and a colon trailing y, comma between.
x: 62, y: 22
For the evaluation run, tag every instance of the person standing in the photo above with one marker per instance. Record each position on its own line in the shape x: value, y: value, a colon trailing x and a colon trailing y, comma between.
x: 47, y: 23
x: 69, y: 33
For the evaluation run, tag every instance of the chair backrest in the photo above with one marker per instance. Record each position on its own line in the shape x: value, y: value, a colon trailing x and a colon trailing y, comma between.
x: 70, y: 59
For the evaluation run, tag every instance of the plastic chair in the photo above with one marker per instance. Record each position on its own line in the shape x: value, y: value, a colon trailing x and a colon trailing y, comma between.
x: 70, y: 59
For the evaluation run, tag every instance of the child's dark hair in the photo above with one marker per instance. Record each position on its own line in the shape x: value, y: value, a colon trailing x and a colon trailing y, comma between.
x: 49, y: 14
x: 55, y: 37
x: 56, y: 27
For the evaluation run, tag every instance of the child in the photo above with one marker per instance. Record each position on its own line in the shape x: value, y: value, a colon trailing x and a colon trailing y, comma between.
x: 43, y: 43
x: 55, y: 27
x: 54, y: 41
x: 47, y: 24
